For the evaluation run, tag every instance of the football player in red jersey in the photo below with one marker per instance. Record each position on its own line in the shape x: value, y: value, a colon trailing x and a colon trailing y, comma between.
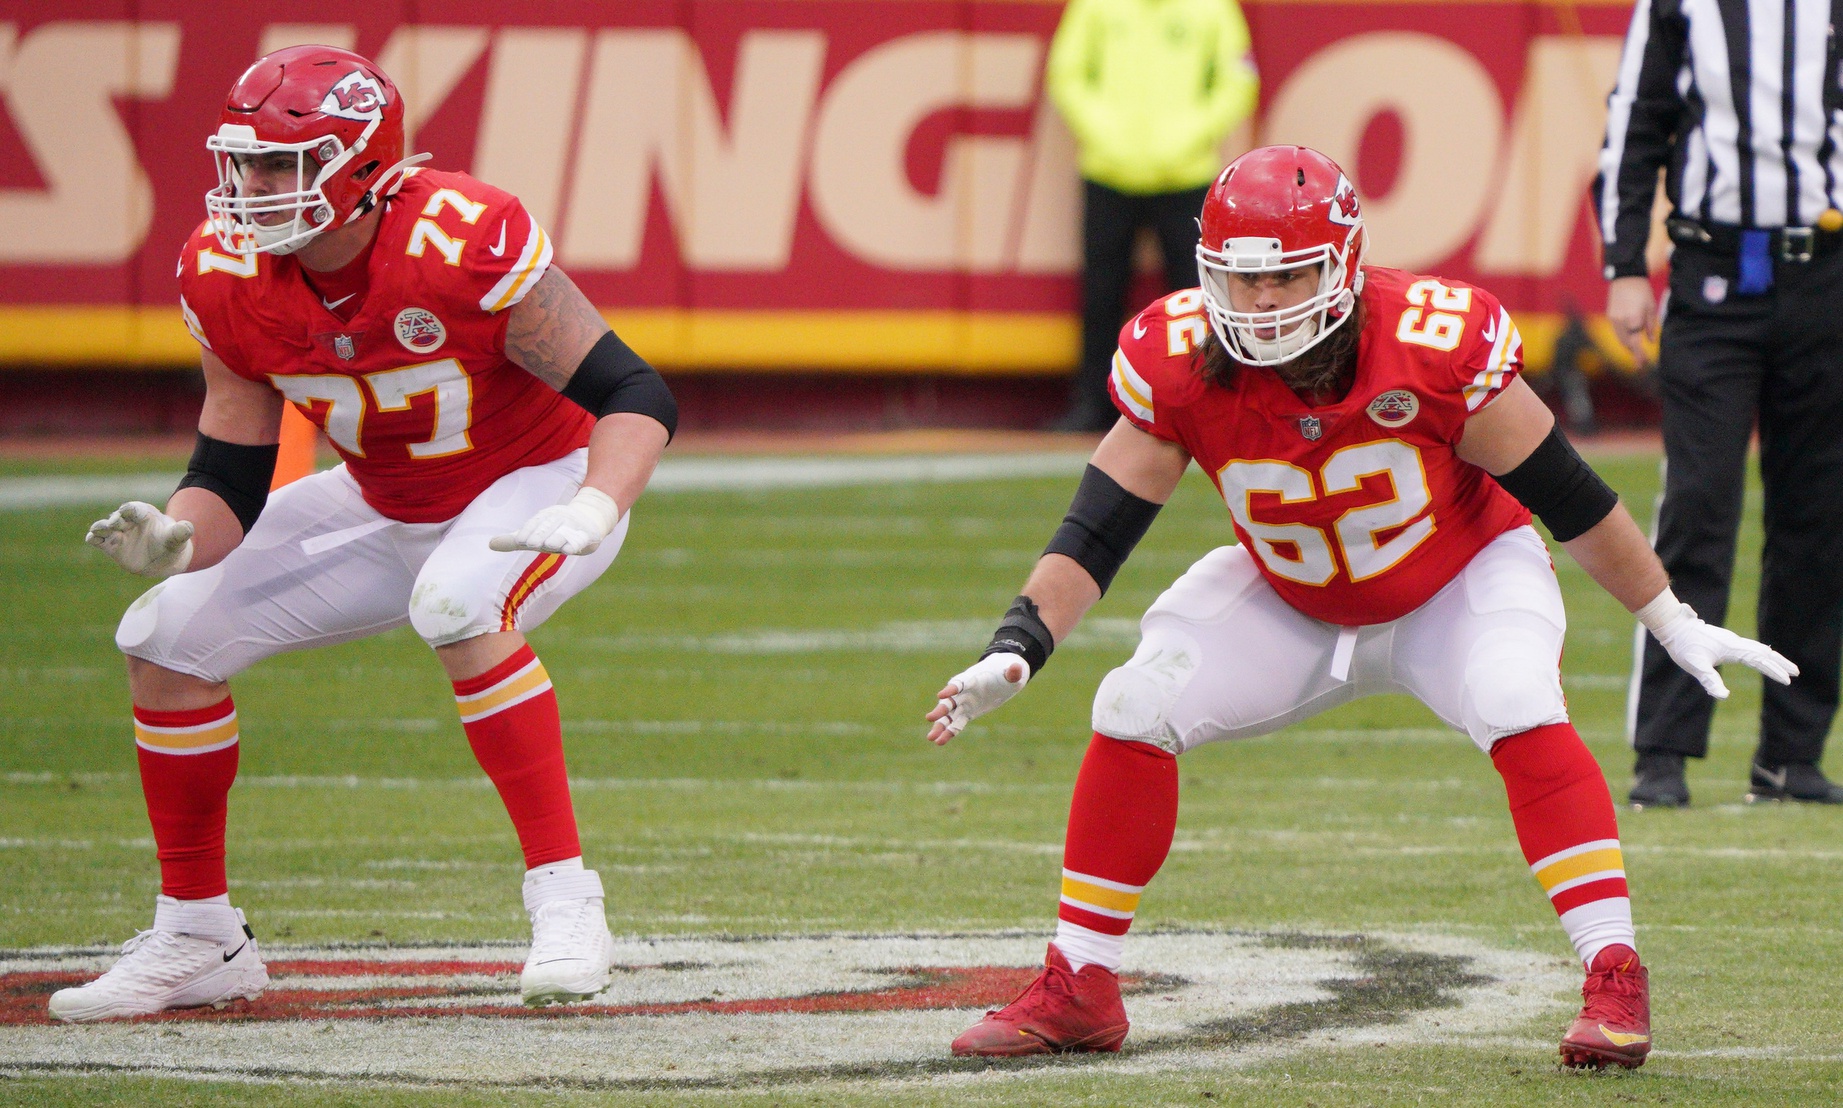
x: 1380, y: 458
x: 493, y: 435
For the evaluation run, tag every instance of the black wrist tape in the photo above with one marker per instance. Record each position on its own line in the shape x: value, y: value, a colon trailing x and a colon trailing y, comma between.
x: 1560, y: 488
x: 612, y: 378
x: 239, y: 474
x: 1104, y: 523
x: 1023, y: 633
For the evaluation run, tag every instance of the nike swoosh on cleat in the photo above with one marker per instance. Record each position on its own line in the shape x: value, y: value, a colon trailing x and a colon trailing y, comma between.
x: 499, y: 251
x: 1620, y: 1038
x: 236, y: 952
x: 1776, y: 780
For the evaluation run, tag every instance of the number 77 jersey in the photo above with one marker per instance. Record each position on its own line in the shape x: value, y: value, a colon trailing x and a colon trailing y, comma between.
x: 413, y: 388
x: 1356, y: 512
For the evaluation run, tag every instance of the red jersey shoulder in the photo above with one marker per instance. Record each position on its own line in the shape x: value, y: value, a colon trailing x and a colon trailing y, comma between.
x: 211, y: 283
x: 1449, y: 337
x: 1154, y: 373
x: 472, y: 240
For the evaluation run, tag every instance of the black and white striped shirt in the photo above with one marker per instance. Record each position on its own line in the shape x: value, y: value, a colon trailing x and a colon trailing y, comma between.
x: 1743, y: 99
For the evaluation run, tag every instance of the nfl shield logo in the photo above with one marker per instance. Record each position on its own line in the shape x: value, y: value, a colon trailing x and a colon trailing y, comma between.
x: 343, y: 346
x: 1310, y: 427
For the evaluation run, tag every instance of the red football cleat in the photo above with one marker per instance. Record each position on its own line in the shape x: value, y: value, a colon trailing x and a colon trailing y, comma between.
x: 1060, y: 1012
x: 1614, y: 1028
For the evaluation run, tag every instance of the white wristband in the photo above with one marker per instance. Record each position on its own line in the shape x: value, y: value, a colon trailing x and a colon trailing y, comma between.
x: 1663, y: 609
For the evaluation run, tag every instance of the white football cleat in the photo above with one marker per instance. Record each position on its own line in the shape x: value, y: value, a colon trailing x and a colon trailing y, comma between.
x: 571, y: 949
x: 195, y: 955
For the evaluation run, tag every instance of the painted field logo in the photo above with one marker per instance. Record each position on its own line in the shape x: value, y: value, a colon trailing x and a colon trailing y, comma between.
x: 419, y: 331
x: 701, y: 1012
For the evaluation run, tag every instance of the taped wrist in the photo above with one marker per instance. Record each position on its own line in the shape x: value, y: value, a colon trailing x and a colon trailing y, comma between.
x: 612, y: 378
x: 1560, y: 488
x: 1023, y: 633
x: 1104, y: 523
x: 239, y: 474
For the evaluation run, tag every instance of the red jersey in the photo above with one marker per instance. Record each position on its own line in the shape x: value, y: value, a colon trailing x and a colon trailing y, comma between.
x: 1357, y: 512
x: 414, y: 390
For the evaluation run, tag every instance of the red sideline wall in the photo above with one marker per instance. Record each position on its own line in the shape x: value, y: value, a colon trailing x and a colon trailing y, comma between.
x: 811, y: 187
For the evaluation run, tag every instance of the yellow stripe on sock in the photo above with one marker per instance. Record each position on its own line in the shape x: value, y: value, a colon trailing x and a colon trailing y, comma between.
x: 180, y: 741
x: 489, y: 700
x: 1578, y: 865
x: 1099, y: 895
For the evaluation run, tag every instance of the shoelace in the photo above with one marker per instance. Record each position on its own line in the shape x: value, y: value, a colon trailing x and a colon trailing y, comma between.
x: 1050, y: 980
x: 562, y: 928
x: 1612, y: 996
x: 156, y: 959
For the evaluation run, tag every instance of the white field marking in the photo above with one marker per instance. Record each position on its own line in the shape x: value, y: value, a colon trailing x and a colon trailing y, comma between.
x: 673, y: 475
x: 586, y: 784
x: 1209, y: 977
x: 907, y: 636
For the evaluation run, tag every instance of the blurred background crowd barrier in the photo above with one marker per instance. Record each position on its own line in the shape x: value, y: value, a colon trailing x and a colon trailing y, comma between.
x: 808, y: 212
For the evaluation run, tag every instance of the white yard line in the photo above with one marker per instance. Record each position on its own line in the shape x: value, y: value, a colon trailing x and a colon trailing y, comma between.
x: 673, y: 475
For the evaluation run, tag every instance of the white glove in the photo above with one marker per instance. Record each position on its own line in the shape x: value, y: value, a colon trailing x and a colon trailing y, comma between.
x: 973, y: 692
x: 144, y: 540
x: 1699, y: 647
x: 574, y: 528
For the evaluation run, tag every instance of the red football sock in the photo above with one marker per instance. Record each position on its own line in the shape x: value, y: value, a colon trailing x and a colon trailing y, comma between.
x: 1565, y: 824
x: 510, y: 715
x: 1120, y: 826
x: 188, y: 762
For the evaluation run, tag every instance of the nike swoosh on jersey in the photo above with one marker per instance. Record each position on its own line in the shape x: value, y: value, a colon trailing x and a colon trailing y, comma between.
x: 1139, y: 328
x: 331, y: 304
x: 499, y: 251
x: 1620, y: 1038
x: 1490, y: 331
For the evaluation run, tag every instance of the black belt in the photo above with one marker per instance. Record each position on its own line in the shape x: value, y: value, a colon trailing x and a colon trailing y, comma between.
x: 1788, y: 244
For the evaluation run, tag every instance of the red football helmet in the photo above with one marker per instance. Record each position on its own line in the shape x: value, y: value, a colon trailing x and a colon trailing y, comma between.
x: 339, y: 117
x: 1275, y: 208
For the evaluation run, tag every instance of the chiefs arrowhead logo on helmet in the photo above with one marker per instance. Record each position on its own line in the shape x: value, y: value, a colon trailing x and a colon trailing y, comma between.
x: 1344, y: 207
x: 355, y: 96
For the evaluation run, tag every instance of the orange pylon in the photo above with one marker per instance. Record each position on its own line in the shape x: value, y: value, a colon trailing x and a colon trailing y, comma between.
x: 299, y: 440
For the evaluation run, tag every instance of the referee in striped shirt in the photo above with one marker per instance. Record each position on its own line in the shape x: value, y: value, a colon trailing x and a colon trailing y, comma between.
x: 1740, y: 101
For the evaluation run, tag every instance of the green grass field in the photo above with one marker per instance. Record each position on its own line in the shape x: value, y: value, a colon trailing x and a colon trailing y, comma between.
x: 742, y: 696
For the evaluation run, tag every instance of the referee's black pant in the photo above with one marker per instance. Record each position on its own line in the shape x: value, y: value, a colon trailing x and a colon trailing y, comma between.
x: 1726, y: 359
x: 1110, y: 225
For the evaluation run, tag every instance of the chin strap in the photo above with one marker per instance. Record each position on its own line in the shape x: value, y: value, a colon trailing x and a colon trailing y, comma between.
x: 388, y: 184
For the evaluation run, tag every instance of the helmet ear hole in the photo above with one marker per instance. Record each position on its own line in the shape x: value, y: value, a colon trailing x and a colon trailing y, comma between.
x: 364, y: 172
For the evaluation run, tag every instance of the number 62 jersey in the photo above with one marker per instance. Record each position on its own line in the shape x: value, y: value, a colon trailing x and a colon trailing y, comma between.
x: 414, y: 390
x: 1356, y: 512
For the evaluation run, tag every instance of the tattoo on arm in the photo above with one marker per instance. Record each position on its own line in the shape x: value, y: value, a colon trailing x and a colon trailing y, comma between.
x: 552, y: 329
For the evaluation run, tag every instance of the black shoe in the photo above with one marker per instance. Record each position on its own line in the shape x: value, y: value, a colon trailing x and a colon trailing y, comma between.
x: 1658, y: 782
x: 1792, y: 781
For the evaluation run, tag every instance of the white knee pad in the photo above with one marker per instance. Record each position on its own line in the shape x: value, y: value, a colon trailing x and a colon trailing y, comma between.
x: 1134, y: 702
x: 445, y: 611
x: 1512, y: 683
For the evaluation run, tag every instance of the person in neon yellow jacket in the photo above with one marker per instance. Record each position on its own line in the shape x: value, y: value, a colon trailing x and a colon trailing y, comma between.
x: 1150, y: 89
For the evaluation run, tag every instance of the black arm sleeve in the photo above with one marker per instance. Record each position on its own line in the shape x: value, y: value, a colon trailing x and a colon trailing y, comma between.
x: 612, y: 378
x: 1104, y: 523
x: 1559, y: 486
x: 240, y: 475
x: 1644, y: 113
